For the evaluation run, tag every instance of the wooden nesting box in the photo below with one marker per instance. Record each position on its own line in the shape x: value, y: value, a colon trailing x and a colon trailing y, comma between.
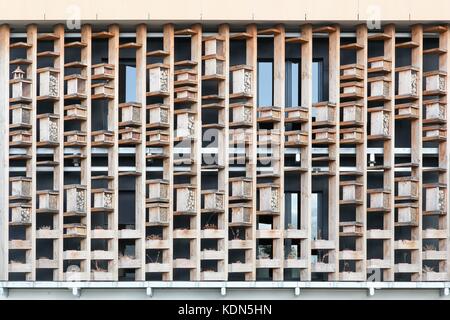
x: 324, y: 112
x: 159, y: 78
x: 269, y: 197
x: 379, y: 64
x: 20, y: 186
x: 74, y: 138
x: 352, y: 134
x: 186, y: 199
x: 103, y: 89
x: 352, y: 113
x: 435, y: 110
x: 102, y: 137
x: 130, y: 113
x: 379, y: 122
x: 296, y: 137
x: 241, y: 214
x: 379, y: 86
x: 351, y: 89
x: 103, y: 198
x: 435, y: 81
x: 48, y: 127
x: 48, y: 200
x: 156, y: 136
x: 214, y: 45
x: 48, y: 82
x: 351, y: 191
x: 407, y: 187
x: 242, y: 79
x: 76, y: 84
x: 158, y: 213
x: 158, y: 190
x: 20, y: 137
x: 214, y: 65
x: 351, y: 228
x: 269, y: 137
x: 213, y: 200
x: 408, y: 78
x: 103, y: 71
x: 75, y: 111
x: 76, y: 198
x: 185, y: 93
x: 186, y: 76
x: 185, y: 123
x: 20, y: 213
x: 433, y: 133
x: 351, y: 71
x: 240, y: 136
x: 269, y: 113
x: 324, y: 135
x: 293, y: 114
x: 407, y: 214
x: 378, y: 199
x: 241, y: 187
x: 20, y: 115
x: 407, y: 110
x: 242, y: 114
x: 21, y: 87
x: 435, y: 198
x: 158, y: 115
x: 75, y: 230
x: 130, y: 135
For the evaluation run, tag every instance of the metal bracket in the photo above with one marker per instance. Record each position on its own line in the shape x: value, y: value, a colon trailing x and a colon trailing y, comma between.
x: 4, y: 292
x: 76, y: 292
x: 223, y: 291
x: 297, y: 291
x: 149, y: 292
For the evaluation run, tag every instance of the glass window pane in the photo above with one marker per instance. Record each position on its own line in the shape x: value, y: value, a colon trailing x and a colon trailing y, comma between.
x: 265, y: 82
x: 316, y: 79
x: 292, y: 83
x: 130, y: 85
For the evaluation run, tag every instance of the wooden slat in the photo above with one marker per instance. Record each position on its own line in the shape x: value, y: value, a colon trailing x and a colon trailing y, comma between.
x: 196, y: 56
x: 141, y: 61
x: 306, y: 153
x: 389, y: 160
x: 361, y: 149
x: 333, y: 180
x: 4, y: 142
x: 279, y: 101
x: 113, y: 152
x: 416, y: 143
x: 251, y: 60
x: 31, y: 165
x: 224, y: 32
x: 58, y: 174
x: 168, y: 46
x: 85, y: 177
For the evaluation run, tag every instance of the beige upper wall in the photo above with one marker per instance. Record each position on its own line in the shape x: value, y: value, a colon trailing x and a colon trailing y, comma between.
x: 232, y: 10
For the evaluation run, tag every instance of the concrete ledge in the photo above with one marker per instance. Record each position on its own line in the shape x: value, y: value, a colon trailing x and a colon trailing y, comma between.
x: 231, y: 10
x: 224, y: 290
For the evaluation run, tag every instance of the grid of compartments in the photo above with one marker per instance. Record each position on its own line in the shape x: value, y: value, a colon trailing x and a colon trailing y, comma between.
x: 203, y: 168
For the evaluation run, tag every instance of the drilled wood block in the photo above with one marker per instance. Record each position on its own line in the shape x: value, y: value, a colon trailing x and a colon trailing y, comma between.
x: 76, y: 198
x: 49, y: 83
x: 48, y: 128
x: 159, y: 78
x: 242, y: 80
x: 407, y: 81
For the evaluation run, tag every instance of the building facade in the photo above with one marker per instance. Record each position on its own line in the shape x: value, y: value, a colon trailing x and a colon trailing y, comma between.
x: 261, y: 145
